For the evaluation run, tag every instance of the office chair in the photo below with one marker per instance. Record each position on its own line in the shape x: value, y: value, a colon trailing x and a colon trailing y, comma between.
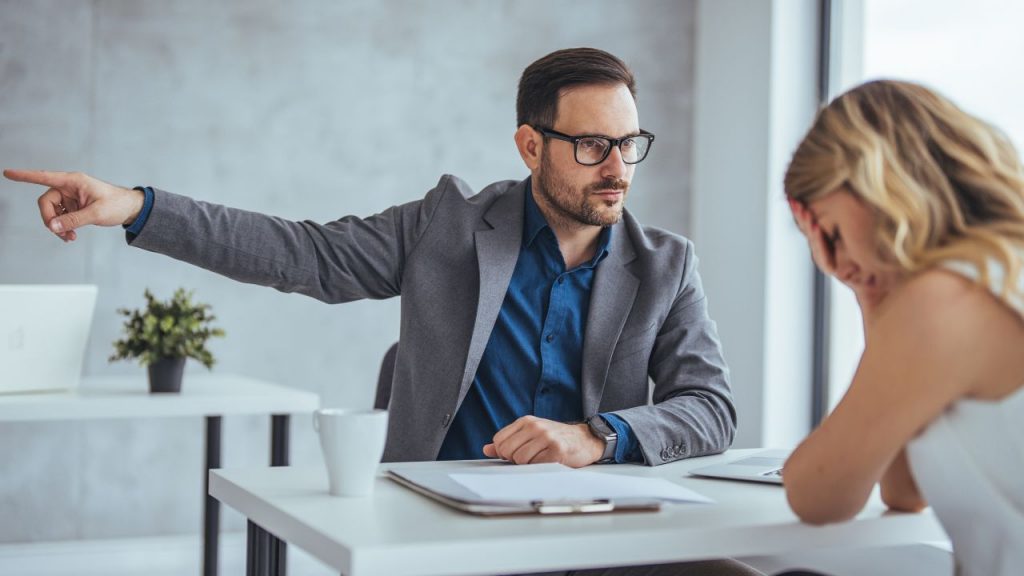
x: 387, y: 373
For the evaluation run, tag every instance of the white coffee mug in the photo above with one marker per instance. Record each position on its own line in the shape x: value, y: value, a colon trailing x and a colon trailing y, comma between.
x: 353, y: 444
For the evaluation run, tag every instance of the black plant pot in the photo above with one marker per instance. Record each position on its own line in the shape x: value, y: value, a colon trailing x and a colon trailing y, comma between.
x: 165, y: 375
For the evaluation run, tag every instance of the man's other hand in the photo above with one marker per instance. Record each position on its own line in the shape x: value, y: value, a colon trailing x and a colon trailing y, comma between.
x: 74, y: 200
x: 532, y: 440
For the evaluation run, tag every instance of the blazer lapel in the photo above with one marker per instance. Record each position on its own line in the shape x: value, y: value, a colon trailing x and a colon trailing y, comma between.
x: 611, y: 299
x: 497, y: 251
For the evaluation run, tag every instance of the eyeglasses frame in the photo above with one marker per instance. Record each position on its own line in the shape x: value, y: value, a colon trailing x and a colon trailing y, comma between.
x: 614, y: 143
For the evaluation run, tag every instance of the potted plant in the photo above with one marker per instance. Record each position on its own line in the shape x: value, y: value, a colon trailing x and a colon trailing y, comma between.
x: 164, y: 334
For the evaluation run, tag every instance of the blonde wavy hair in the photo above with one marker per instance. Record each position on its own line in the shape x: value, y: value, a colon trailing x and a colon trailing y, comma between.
x: 943, y: 184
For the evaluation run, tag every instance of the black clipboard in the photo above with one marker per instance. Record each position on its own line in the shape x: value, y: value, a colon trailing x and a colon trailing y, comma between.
x: 438, y: 485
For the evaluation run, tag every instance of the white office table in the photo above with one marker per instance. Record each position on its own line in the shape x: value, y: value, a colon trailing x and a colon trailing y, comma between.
x: 209, y: 395
x: 401, y: 533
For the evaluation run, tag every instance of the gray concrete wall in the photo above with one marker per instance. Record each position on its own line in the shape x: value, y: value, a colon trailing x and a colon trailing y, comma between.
x: 301, y: 109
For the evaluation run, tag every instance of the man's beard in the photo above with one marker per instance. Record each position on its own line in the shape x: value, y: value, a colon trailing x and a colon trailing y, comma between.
x: 571, y: 204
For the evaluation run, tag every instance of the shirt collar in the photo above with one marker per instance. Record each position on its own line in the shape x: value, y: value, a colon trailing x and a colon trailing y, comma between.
x: 604, y: 241
x: 534, y: 222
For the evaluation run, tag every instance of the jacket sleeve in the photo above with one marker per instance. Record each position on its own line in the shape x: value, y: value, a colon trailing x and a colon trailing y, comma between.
x: 347, y: 259
x: 693, y: 412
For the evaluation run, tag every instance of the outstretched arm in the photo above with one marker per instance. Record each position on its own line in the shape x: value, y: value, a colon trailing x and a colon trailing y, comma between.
x: 343, y: 260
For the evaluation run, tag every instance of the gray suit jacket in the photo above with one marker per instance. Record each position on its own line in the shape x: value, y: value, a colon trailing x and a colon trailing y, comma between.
x: 450, y: 256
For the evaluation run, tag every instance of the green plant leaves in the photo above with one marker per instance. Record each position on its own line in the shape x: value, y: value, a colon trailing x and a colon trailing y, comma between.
x: 166, y: 324
x: 175, y: 328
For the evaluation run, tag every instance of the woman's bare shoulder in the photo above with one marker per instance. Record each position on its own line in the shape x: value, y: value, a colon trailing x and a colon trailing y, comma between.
x: 943, y: 295
x: 957, y: 327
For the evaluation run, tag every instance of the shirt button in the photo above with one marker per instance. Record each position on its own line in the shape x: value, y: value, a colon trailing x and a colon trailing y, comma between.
x: 561, y: 279
x: 444, y: 421
x: 550, y: 337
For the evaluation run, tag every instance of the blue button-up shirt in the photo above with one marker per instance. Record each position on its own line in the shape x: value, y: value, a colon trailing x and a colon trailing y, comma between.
x: 533, y: 361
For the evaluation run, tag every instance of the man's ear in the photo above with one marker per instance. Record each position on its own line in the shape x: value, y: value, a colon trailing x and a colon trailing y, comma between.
x: 529, y: 143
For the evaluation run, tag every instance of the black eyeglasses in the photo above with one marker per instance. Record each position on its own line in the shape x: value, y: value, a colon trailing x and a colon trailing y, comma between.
x: 591, y: 150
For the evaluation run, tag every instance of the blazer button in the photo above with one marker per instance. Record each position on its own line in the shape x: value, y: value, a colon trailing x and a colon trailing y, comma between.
x: 444, y: 421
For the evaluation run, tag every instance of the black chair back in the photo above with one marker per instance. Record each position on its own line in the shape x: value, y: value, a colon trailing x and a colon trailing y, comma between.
x: 387, y: 373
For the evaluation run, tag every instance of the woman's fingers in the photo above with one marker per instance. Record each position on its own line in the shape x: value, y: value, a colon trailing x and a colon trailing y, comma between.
x: 803, y: 217
x: 821, y: 250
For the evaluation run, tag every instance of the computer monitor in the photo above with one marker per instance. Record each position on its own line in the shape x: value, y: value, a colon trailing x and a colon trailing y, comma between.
x: 43, y: 333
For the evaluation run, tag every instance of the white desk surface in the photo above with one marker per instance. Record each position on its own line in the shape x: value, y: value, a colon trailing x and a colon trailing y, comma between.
x: 401, y: 533
x: 128, y: 397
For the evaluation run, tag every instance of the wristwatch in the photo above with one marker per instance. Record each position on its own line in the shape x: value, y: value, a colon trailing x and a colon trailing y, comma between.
x: 600, y: 428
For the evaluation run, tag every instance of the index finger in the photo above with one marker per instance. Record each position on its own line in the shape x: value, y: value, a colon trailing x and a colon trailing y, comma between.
x: 42, y: 177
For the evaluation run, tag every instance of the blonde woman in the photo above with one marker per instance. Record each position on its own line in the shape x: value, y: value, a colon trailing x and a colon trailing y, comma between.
x: 919, y: 208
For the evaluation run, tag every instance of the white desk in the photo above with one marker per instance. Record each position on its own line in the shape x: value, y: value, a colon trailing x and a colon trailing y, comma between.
x: 207, y: 395
x: 400, y: 533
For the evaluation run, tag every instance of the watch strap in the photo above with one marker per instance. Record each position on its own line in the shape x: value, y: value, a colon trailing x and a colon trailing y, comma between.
x: 600, y: 428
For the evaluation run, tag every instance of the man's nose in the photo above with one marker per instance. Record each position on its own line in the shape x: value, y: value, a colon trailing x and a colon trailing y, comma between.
x: 613, y: 165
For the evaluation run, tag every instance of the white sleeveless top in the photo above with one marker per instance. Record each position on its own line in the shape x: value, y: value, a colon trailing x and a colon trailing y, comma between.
x: 969, y: 466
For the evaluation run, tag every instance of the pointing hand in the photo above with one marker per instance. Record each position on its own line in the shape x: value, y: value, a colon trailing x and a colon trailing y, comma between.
x: 74, y: 200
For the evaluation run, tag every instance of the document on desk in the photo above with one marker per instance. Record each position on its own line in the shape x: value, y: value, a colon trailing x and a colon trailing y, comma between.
x: 542, y: 489
x: 564, y: 483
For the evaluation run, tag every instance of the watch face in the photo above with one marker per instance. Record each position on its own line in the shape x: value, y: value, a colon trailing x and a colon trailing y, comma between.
x: 601, y: 429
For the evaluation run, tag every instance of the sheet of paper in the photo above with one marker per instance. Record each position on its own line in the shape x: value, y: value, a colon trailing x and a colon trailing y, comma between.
x: 570, y: 484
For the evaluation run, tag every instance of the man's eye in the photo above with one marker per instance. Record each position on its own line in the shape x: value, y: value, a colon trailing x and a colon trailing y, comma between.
x: 591, y: 144
x: 834, y: 237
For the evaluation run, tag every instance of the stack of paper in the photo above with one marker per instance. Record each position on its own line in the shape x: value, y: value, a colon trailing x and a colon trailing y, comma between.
x: 564, y: 483
x: 541, y: 488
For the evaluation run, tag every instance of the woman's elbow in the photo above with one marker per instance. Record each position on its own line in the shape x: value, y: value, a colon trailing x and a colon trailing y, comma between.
x: 819, y: 511
x: 819, y: 493
x: 903, y: 502
x: 811, y: 501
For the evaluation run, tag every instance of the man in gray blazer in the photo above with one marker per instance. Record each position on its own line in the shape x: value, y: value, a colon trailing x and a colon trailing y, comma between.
x: 533, y: 312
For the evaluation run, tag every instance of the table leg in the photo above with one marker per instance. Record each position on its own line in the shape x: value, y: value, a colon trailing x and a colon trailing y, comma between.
x: 277, y: 549
x: 279, y: 439
x: 261, y: 557
x: 267, y: 553
x: 250, y: 549
x: 211, y: 507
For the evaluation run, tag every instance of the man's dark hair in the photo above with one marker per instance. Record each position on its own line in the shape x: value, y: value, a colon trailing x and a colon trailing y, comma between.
x: 543, y: 81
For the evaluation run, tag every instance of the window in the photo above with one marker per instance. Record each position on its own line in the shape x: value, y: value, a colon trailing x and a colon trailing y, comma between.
x: 968, y: 51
